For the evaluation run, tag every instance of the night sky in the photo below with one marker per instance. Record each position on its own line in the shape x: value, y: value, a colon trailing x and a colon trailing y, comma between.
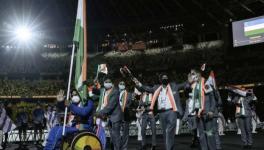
x: 56, y: 18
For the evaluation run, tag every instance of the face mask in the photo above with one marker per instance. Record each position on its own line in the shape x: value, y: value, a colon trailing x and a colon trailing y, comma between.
x: 75, y: 99
x: 121, y: 87
x: 91, y: 94
x: 194, y: 78
x: 164, y: 81
x: 108, y: 85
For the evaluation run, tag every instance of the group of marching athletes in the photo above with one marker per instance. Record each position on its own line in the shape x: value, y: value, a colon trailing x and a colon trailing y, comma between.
x: 114, y: 105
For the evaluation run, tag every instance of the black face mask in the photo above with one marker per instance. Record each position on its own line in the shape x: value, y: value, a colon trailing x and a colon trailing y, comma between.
x: 164, y: 81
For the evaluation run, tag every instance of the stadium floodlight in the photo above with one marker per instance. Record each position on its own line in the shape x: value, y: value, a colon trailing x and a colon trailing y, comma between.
x: 23, y: 34
x: 23, y: 31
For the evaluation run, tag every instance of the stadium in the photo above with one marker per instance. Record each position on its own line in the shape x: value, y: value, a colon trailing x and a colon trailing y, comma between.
x: 58, y: 57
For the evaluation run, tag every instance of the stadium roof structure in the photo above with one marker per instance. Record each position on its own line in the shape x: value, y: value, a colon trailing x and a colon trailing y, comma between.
x: 133, y: 12
x: 57, y: 17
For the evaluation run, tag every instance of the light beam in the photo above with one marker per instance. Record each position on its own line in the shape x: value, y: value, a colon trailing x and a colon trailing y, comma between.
x: 23, y: 34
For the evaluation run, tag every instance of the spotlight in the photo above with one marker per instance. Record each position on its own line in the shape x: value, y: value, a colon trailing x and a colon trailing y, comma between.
x: 23, y: 34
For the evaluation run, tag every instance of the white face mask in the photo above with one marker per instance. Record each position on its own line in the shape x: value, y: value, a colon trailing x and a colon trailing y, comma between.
x: 108, y: 85
x: 194, y: 78
x: 121, y: 87
x: 75, y: 99
x: 91, y: 94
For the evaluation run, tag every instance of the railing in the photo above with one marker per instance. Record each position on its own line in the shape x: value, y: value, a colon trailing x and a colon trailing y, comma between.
x: 39, y: 96
x: 13, y: 136
x: 133, y: 131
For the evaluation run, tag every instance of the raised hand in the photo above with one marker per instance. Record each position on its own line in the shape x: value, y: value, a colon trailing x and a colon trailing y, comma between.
x: 67, y: 103
x: 135, y: 80
x: 60, y: 95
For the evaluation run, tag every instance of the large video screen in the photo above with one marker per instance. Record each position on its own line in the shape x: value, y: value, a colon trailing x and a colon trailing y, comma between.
x: 249, y: 31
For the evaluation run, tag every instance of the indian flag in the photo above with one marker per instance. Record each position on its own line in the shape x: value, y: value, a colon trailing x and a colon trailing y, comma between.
x: 254, y: 27
x: 80, y: 69
x: 102, y: 68
x: 211, y: 79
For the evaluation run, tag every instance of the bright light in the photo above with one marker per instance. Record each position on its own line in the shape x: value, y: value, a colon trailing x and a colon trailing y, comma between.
x: 23, y: 34
x: 23, y: 31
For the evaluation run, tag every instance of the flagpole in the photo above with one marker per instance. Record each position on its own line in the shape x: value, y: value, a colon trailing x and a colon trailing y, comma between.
x: 84, y: 42
x: 68, y: 90
x: 97, y: 73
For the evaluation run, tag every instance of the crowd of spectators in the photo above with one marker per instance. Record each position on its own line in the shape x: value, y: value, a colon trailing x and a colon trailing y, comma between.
x: 31, y: 62
x: 245, y: 68
x: 28, y: 88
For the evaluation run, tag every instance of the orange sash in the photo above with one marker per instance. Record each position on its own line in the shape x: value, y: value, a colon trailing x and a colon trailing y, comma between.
x: 168, y: 93
x: 144, y: 96
x: 124, y: 100
x: 106, y: 97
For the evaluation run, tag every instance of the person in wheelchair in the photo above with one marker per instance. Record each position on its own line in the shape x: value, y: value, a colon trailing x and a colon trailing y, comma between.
x: 80, y: 118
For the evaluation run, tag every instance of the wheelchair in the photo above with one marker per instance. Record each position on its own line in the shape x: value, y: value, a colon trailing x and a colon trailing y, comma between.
x: 82, y: 140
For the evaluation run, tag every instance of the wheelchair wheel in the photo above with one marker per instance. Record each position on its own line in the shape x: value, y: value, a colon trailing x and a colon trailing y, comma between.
x: 82, y: 141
